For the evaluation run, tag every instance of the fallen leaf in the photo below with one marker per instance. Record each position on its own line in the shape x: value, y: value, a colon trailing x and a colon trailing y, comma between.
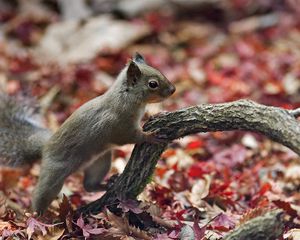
x: 200, y: 190
x: 131, y: 205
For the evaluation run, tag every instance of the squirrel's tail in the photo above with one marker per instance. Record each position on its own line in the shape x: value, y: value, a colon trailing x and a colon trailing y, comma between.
x: 22, y: 134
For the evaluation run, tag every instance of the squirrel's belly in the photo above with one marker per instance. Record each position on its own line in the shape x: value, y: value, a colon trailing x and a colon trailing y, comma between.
x: 90, y: 160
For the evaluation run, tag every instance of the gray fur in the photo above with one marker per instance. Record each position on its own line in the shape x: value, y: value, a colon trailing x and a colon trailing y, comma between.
x: 85, y: 139
x: 22, y: 135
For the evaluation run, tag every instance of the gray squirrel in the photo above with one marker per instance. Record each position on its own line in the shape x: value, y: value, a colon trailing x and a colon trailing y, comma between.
x: 84, y: 141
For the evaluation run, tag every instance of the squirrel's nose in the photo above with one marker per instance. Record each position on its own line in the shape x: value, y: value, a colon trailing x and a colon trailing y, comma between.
x: 168, y: 90
x: 172, y: 89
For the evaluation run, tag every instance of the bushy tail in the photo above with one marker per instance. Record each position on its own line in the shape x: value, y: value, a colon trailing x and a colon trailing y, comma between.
x: 22, y: 134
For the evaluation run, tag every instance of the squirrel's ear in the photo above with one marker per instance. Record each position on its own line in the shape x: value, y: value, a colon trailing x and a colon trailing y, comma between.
x: 138, y: 58
x: 133, y: 73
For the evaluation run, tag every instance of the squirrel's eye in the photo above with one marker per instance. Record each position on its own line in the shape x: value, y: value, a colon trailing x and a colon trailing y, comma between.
x: 153, y: 84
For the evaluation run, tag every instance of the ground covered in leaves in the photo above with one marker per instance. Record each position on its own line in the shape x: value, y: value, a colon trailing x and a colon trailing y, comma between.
x: 204, y: 185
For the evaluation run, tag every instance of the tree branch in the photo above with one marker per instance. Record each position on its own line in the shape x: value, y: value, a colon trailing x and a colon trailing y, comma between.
x: 278, y: 124
x: 266, y: 227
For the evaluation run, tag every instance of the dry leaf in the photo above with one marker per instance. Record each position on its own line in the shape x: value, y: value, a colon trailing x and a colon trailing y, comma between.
x: 293, y: 234
x: 54, y: 233
x: 200, y: 190
x: 252, y: 213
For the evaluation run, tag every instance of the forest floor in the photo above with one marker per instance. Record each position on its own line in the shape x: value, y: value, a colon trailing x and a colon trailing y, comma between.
x: 204, y: 185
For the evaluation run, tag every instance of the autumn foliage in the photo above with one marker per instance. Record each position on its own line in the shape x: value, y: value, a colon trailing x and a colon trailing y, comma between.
x: 204, y: 185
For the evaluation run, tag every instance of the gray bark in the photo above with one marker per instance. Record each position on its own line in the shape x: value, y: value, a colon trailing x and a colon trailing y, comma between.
x: 278, y: 124
x: 266, y: 227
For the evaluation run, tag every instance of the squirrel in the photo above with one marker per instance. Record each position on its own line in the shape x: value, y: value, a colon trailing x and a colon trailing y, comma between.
x: 86, y: 138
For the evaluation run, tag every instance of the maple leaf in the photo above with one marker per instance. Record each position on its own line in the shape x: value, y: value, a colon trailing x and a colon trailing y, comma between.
x: 286, y: 206
x: 65, y: 208
x: 194, y: 232
x: 131, y: 205
x: 199, y: 232
x: 224, y: 221
x: 87, y: 229
x: 196, y: 144
x: 35, y: 225
x: 123, y: 229
x: 10, y: 233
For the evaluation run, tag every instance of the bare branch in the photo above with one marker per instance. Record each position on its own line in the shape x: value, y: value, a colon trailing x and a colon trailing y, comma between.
x: 278, y: 124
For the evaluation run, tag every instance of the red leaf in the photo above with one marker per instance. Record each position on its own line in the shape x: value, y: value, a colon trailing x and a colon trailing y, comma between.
x: 195, y: 144
x: 179, y: 214
x: 196, y: 171
x: 168, y: 153
x: 286, y: 206
x: 265, y: 188
x: 199, y: 231
x: 224, y: 221
x: 160, y: 171
x: 162, y: 195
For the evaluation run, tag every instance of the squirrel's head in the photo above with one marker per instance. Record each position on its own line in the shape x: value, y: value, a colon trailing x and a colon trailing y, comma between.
x: 147, y: 81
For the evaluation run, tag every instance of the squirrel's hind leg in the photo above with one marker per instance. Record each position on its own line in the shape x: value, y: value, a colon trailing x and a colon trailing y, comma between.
x: 95, y: 173
x: 51, y: 180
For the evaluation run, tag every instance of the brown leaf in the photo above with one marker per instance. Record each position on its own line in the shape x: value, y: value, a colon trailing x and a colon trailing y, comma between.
x: 65, y: 208
x: 252, y: 213
x: 292, y: 234
x: 118, y: 222
x: 124, y: 229
x: 9, y: 177
x: 54, y: 233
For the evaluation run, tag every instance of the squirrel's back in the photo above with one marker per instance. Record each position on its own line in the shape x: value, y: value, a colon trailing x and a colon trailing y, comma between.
x: 22, y: 135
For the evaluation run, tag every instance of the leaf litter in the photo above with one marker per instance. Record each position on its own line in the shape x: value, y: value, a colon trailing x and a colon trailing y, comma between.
x: 204, y: 185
